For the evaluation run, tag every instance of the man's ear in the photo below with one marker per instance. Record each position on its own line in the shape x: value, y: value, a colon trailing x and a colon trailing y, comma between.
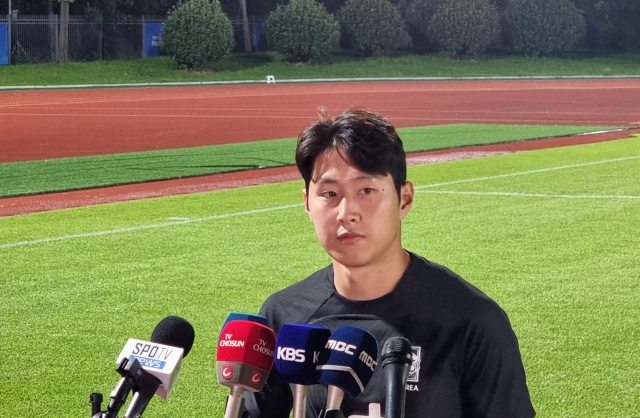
x: 305, y: 197
x: 406, y: 198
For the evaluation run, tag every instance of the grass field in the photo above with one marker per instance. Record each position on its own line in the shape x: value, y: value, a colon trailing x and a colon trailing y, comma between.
x: 552, y: 235
x: 62, y: 174
x: 258, y: 65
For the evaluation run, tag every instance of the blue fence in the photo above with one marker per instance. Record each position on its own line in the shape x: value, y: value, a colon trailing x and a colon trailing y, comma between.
x: 35, y: 38
x: 4, y: 43
x: 152, y: 38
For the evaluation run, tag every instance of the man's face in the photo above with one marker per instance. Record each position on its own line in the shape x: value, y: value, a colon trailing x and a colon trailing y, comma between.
x: 356, y: 215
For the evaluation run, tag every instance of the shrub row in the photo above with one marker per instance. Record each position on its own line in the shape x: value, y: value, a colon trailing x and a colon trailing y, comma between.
x: 198, y: 31
x: 464, y: 28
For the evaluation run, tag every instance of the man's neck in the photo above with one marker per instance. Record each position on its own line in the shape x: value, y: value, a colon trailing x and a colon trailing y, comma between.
x: 372, y: 281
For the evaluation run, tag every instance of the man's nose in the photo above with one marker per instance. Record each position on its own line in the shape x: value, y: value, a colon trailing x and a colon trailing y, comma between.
x: 348, y: 210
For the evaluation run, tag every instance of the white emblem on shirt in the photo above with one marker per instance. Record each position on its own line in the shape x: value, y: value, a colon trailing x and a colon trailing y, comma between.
x: 414, y: 372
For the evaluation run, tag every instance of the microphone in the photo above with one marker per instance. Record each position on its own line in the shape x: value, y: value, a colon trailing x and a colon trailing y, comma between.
x: 148, y: 367
x: 244, y: 360
x: 349, y: 366
x: 396, y: 359
x: 235, y: 316
x: 160, y: 361
x: 300, y: 348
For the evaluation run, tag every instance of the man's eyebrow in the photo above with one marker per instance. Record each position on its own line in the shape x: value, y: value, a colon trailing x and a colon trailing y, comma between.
x: 330, y: 180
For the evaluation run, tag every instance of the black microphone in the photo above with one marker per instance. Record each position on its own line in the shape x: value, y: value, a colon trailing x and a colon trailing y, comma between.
x: 161, y: 364
x: 396, y: 359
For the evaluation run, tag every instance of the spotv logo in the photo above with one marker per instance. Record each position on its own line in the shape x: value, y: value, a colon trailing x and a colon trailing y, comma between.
x: 149, y: 362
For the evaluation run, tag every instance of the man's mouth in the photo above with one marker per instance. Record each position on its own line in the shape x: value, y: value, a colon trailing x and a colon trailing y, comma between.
x: 349, y: 237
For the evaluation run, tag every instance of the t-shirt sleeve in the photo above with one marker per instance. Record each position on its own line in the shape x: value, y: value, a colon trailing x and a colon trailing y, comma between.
x: 493, y: 382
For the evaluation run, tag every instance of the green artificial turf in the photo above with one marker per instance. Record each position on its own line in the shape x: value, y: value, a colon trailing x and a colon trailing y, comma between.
x: 258, y: 65
x: 42, y: 176
x: 552, y: 235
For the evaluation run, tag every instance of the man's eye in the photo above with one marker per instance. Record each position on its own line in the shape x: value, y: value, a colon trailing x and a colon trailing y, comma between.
x: 329, y: 194
x: 367, y: 190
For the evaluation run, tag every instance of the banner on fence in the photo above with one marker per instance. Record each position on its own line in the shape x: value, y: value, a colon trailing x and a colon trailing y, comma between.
x: 152, y: 39
x: 4, y: 43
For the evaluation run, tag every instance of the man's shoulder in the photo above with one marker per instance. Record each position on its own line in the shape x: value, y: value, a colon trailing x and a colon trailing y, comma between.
x: 445, y: 290
x: 298, y: 302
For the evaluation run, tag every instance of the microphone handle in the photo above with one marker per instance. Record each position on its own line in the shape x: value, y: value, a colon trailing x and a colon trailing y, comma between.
x: 143, y: 392
x: 119, y: 396
x: 395, y: 376
x: 300, y: 393
x: 335, y: 395
x: 138, y: 404
x: 234, y: 402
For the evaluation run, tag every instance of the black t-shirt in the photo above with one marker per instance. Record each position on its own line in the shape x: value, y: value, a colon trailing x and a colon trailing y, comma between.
x: 466, y: 360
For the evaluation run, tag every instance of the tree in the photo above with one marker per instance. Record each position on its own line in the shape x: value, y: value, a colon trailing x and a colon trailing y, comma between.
x: 543, y: 27
x: 303, y: 31
x: 372, y: 27
x: 612, y: 24
x: 197, y: 32
x: 465, y: 27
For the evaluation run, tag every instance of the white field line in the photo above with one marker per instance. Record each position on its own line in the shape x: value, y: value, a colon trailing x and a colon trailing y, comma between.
x: 317, y: 80
x: 522, y: 173
x: 514, y: 194
x: 145, y: 227
x: 276, y: 208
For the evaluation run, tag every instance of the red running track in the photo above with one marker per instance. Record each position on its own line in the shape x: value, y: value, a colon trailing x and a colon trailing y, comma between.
x: 64, y: 123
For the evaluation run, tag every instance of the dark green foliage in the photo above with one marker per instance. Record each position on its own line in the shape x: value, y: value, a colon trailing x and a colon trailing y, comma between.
x: 465, y: 27
x: 542, y: 27
x: 372, y: 27
x: 303, y: 31
x: 612, y: 24
x: 417, y: 14
x: 197, y: 32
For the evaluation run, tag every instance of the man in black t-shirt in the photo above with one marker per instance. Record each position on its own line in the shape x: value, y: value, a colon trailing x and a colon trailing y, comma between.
x: 466, y: 361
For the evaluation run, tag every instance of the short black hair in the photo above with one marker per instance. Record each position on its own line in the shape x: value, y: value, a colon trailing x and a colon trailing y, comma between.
x: 369, y: 141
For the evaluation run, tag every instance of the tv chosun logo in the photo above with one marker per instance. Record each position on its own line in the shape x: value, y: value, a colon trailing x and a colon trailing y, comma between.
x: 414, y: 372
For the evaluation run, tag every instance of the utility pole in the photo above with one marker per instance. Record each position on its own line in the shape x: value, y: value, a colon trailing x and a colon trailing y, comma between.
x: 9, y: 32
x: 245, y: 26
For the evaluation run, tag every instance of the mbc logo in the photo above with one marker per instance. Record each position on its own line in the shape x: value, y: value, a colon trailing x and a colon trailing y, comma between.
x: 341, y: 346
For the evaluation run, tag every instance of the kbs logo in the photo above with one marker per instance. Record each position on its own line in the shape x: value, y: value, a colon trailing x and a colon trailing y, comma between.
x: 227, y: 372
x: 297, y: 356
x: 291, y: 354
x: 341, y: 346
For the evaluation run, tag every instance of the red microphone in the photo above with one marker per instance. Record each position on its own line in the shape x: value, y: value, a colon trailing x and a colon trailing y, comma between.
x: 244, y: 360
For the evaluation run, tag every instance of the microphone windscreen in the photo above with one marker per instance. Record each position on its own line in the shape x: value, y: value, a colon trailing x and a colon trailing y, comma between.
x: 352, y: 355
x: 248, y: 343
x: 396, y: 350
x: 299, y: 349
x: 238, y: 316
x: 176, y: 332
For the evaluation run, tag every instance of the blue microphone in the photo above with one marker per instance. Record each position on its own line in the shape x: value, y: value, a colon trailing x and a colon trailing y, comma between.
x: 237, y: 316
x: 300, y: 349
x: 352, y: 358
